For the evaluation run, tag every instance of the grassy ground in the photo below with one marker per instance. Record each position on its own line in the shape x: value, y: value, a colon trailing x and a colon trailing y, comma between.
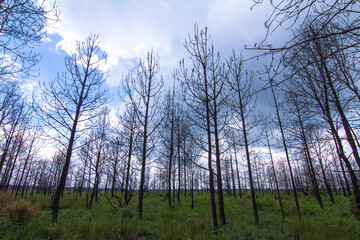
x: 335, y: 221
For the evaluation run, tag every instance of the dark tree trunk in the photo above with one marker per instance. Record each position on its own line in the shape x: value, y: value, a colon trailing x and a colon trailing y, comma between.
x: 114, y: 178
x: 144, y: 151
x: 179, y: 164
x: 25, y: 182
x: 232, y: 177
x: 129, y: 160
x: 252, y: 189
x: 192, y: 190
x: 286, y: 150
x: 237, y: 172
x: 275, y: 177
x: 325, y: 72
x: 218, y: 174
x: 171, y: 156
x: 61, y: 187
x: 184, y: 163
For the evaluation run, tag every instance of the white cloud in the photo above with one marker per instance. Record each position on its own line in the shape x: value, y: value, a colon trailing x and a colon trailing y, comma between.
x: 128, y: 28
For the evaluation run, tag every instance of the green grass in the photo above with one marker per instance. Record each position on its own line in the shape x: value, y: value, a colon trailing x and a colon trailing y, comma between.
x: 335, y: 221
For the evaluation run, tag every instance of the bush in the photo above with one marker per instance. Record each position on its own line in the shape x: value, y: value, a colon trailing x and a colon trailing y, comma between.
x: 5, y: 199
x: 20, y: 211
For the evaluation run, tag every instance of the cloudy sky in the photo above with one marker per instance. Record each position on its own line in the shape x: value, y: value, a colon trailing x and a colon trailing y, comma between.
x: 128, y: 28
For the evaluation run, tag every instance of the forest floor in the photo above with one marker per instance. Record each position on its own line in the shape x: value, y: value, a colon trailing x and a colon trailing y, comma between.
x: 106, y: 221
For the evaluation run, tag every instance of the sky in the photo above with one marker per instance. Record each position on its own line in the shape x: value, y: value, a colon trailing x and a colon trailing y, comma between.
x: 129, y: 28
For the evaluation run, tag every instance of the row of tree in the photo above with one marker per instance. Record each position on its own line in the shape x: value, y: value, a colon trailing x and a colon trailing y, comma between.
x: 206, y: 132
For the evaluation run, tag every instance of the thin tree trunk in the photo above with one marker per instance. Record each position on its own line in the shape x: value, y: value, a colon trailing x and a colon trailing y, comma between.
x: 144, y: 150
x: 286, y: 150
x: 232, y: 177
x: 237, y: 172
x: 276, y: 181
x: 129, y: 159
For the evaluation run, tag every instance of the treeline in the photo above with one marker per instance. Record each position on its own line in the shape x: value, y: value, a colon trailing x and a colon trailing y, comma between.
x: 205, y: 132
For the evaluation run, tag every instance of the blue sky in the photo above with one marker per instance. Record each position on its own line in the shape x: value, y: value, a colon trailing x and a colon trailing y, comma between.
x: 128, y: 28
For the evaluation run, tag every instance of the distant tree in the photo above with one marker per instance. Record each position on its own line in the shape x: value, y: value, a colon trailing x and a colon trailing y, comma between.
x: 99, y: 133
x: 275, y: 175
x: 319, y: 145
x: 22, y: 26
x: 129, y: 133
x: 27, y: 160
x: 298, y: 109
x: 84, y: 155
x: 233, y: 139
x: 116, y: 147
x: 73, y: 98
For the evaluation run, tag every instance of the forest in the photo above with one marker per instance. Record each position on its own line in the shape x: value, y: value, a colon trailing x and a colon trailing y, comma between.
x: 197, y: 156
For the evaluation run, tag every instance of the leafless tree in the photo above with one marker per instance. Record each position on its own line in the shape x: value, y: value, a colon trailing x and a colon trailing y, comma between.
x: 72, y: 98
x: 145, y: 89
x: 100, y: 128
x: 285, y: 146
x: 298, y: 110
x: 342, y: 14
x: 205, y: 95
x: 315, y: 79
x: 168, y: 137
x: 243, y: 108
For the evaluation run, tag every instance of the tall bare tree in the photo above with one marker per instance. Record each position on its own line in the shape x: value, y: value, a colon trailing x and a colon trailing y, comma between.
x: 73, y: 98
x: 145, y: 89
x: 204, y: 93
x: 243, y: 108
x: 315, y: 73
x: 279, y: 121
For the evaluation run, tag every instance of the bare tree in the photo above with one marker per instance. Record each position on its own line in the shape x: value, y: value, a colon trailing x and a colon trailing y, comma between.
x: 342, y: 14
x: 146, y: 88
x: 275, y: 176
x: 168, y: 135
x: 100, y: 126
x: 73, y: 98
x: 279, y: 121
x: 16, y: 116
x: 243, y: 108
x: 315, y: 79
x: 204, y: 95
x: 298, y: 109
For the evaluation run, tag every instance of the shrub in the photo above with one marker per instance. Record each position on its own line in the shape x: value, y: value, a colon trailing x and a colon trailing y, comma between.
x: 20, y: 211
x: 5, y: 199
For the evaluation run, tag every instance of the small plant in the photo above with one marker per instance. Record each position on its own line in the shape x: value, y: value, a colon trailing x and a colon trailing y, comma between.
x: 20, y: 211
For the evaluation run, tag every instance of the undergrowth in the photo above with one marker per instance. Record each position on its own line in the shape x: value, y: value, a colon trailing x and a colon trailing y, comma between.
x: 103, y: 221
